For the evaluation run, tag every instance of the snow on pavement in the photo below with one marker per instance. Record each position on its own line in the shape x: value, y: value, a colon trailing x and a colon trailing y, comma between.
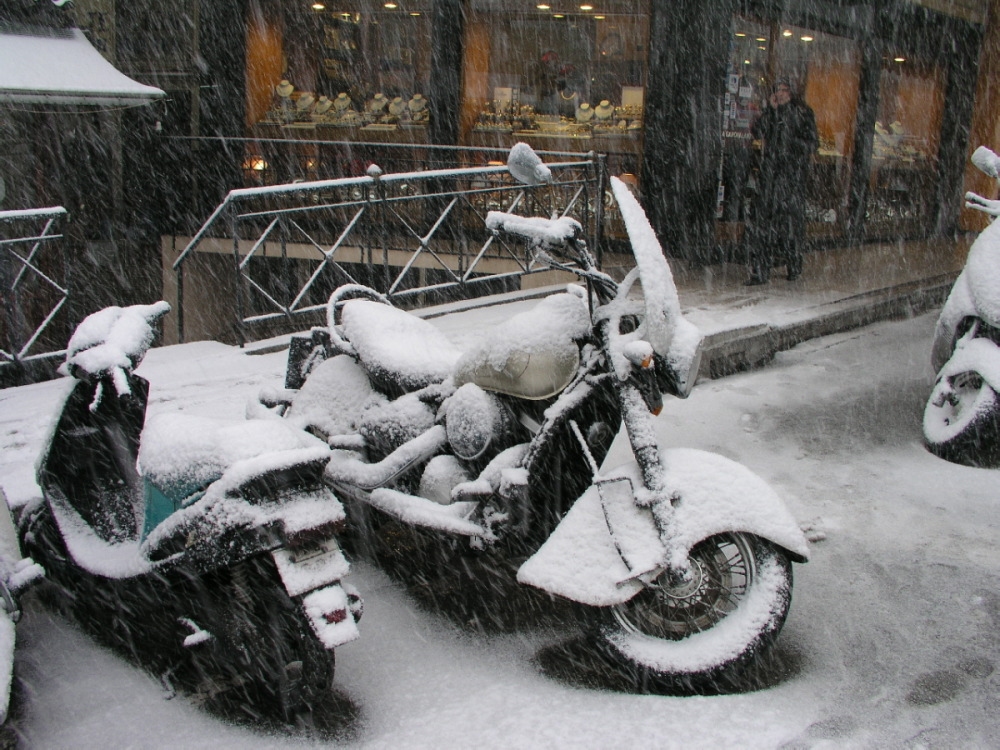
x: 892, y: 639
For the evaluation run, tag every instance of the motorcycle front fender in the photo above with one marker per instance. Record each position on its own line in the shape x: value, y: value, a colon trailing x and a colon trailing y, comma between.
x: 583, y: 560
x: 978, y: 355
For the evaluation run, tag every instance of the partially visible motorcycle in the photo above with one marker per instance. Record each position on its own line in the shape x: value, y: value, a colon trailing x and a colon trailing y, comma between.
x: 962, y: 417
x: 204, y: 549
x: 491, y: 457
x: 17, y: 573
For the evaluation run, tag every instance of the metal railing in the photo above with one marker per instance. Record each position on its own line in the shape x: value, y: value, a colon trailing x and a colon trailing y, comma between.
x: 416, y: 236
x: 33, y: 280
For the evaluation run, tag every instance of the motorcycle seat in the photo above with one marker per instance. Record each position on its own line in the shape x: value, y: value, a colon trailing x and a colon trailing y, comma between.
x: 400, y: 351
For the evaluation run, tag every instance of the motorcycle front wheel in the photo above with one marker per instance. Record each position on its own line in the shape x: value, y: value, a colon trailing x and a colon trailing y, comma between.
x: 962, y: 421
x: 698, y: 633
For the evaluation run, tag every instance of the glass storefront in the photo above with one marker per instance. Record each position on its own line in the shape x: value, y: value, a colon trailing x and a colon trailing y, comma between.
x: 575, y: 78
x: 824, y: 70
x: 559, y: 80
x: 336, y: 71
x: 905, y: 144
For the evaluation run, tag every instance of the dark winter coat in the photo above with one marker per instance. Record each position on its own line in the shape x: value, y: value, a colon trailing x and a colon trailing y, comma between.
x: 788, y: 133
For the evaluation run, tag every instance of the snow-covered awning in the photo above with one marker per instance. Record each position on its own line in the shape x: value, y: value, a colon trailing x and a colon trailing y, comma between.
x: 59, y: 66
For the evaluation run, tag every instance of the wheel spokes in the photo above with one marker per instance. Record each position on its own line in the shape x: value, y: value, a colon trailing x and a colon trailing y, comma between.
x: 723, y: 570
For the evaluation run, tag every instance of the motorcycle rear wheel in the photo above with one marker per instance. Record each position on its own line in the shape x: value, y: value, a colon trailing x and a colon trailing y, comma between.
x: 697, y: 635
x: 962, y: 421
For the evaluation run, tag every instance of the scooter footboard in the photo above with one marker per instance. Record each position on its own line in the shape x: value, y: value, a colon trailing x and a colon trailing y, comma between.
x: 585, y: 561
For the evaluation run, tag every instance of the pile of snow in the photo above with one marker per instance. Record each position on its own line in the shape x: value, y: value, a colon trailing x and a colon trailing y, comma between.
x: 526, y: 166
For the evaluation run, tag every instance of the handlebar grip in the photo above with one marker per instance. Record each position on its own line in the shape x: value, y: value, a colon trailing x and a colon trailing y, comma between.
x: 987, y: 162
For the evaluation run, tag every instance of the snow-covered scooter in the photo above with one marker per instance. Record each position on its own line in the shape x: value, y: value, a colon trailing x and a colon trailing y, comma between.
x: 962, y: 416
x: 206, y: 549
x: 681, y: 558
x: 16, y: 574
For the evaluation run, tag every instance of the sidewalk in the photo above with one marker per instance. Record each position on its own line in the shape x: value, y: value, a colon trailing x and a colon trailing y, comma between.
x: 840, y: 289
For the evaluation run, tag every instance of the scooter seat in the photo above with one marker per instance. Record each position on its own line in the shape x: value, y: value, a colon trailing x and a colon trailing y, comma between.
x: 182, y: 450
x: 400, y: 351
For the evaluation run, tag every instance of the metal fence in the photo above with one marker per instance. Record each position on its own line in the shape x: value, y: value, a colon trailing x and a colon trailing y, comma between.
x: 33, y: 278
x: 417, y: 236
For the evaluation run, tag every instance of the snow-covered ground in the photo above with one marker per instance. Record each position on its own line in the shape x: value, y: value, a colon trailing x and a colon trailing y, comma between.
x: 892, y: 641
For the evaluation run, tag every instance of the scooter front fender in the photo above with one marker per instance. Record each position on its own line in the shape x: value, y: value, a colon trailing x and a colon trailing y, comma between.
x: 978, y: 355
x: 583, y: 560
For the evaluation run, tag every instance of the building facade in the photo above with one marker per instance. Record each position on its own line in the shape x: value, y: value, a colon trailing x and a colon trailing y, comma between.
x: 668, y: 90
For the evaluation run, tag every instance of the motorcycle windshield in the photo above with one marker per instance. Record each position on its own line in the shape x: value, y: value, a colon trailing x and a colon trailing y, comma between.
x: 673, y: 337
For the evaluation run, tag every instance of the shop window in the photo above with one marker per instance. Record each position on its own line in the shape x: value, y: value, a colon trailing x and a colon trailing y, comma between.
x: 905, y: 146
x: 336, y: 71
x: 746, y: 89
x: 824, y: 70
x: 562, y: 81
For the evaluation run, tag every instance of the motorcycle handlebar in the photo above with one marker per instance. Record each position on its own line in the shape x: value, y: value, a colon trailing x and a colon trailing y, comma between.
x: 551, y: 234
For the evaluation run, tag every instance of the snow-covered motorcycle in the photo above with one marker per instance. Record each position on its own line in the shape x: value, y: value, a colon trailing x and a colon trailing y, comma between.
x: 203, y: 549
x: 680, y: 558
x: 962, y: 417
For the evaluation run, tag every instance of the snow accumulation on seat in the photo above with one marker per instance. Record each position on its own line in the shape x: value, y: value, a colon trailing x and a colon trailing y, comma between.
x: 185, y: 449
x: 389, y: 340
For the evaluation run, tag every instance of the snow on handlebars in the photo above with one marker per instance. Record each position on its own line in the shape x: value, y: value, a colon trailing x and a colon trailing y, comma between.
x: 548, y: 233
x: 112, y: 342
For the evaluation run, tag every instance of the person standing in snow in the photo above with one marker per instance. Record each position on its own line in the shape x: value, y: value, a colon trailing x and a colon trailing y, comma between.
x: 787, y: 130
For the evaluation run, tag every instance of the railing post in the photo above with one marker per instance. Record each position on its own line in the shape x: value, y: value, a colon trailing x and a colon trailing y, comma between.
x: 378, y: 193
x: 180, y: 303
x: 285, y: 272
x: 240, y: 313
x: 10, y: 343
x: 602, y: 168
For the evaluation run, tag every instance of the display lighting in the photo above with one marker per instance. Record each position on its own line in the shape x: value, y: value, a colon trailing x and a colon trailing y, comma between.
x: 746, y: 62
x: 599, y: 18
x: 586, y: 7
x: 558, y: 15
x: 806, y: 38
x: 740, y: 34
x: 414, y: 13
x: 318, y: 6
x: 786, y: 32
x: 543, y: 6
x: 390, y: 6
x: 762, y: 39
x: 899, y: 59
